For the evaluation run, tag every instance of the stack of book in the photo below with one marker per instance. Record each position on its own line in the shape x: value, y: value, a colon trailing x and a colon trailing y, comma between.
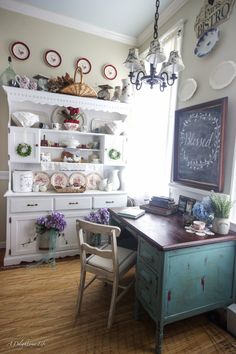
x: 161, y: 206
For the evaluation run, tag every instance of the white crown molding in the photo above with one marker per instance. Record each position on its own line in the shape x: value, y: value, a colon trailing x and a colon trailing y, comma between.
x: 65, y: 21
x: 164, y: 17
x: 4, y: 175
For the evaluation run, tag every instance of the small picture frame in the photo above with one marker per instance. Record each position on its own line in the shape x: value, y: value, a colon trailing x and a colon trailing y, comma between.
x: 185, y: 205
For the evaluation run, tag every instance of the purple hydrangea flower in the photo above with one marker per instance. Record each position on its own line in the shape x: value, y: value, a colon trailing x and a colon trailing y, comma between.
x: 55, y: 221
x: 101, y: 216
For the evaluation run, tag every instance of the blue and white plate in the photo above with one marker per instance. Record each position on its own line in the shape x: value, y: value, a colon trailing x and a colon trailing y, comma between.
x: 207, y: 42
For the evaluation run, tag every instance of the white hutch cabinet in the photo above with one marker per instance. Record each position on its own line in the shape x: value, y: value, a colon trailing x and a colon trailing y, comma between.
x: 24, y: 208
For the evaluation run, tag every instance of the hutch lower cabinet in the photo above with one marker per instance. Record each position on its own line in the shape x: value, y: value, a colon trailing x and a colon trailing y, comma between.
x: 179, y: 274
x: 22, y: 212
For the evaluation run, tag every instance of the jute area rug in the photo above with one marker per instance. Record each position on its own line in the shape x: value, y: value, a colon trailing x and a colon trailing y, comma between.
x: 37, y: 315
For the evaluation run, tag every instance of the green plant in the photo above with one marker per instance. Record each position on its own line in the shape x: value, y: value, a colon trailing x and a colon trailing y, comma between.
x: 221, y: 205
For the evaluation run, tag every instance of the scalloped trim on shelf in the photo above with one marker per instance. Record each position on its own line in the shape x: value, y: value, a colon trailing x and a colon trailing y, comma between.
x: 58, y: 99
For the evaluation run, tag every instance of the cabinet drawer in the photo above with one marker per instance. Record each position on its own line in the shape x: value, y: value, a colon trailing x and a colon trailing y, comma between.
x: 20, y: 205
x: 70, y: 203
x: 110, y: 201
x: 150, y: 255
x: 147, y: 287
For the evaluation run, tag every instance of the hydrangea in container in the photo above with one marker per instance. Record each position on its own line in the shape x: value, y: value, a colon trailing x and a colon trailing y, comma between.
x: 48, y: 228
x: 101, y: 216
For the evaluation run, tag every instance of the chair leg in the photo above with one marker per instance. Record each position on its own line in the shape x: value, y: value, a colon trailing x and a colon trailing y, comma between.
x: 81, y: 291
x: 113, y: 302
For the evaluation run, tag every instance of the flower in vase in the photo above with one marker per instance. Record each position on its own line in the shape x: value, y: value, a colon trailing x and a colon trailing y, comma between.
x: 55, y: 221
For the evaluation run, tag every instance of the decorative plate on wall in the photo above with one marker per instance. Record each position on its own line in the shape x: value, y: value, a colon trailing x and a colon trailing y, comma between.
x: 223, y: 75
x: 187, y: 89
x: 207, y: 42
x: 52, y: 58
x: 20, y: 50
x: 109, y: 72
x: 85, y: 65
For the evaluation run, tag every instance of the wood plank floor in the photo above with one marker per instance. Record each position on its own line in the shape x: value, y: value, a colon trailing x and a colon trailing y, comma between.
x: 37, y: 308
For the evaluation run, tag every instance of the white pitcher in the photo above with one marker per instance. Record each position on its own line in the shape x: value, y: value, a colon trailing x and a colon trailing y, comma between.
x: 114, y: 180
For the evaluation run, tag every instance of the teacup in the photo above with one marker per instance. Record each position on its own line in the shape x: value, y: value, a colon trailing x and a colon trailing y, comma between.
x: 199, y: 225
x: 23, y: 81
x: 56, y: 126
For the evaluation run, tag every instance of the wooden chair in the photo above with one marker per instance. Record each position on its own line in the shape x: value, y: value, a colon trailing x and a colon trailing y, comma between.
x: 108, y: 263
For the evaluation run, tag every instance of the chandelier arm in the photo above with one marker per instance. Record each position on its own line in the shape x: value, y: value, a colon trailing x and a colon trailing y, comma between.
x: 169, y: 81
x: 131, y: 76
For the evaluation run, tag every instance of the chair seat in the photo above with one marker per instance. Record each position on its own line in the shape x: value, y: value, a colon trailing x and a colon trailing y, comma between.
x: 126, y: 259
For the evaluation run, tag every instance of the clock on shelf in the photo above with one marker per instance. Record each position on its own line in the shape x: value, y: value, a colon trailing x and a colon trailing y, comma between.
x: 52, y: 58
x: 20, y: 50
x: 110, y: 72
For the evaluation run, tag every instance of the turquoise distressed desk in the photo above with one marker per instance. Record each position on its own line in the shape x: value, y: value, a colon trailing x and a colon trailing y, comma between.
x: 179, y: 274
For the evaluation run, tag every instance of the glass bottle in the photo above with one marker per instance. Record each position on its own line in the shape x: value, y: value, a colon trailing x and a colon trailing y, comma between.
x: 8, y: 76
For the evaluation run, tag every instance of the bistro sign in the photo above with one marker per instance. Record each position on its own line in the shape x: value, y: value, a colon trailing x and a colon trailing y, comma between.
x: 212, y: 14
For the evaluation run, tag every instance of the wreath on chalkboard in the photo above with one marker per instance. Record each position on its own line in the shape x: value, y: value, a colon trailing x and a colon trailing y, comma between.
x: 114, y: 154
x: 24, y: 150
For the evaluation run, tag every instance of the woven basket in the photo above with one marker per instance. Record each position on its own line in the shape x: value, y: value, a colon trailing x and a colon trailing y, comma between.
x: 71, y: 189
x: 79, y: 89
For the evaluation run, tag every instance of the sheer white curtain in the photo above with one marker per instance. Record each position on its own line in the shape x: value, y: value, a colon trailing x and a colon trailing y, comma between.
x: 150, y: 134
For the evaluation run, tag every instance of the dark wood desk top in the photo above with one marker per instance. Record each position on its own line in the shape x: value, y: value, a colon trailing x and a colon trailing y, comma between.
x: 168, y: 232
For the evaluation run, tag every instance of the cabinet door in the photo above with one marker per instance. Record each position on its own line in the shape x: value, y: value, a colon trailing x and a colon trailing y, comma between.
x: 114, y: 150
x: 23, y: 233
x: 29, y: 136
x: 199, y: 277
x: 68, y: 238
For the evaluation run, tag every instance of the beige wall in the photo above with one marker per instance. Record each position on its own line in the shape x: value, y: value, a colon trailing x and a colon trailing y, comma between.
x: 200, y: 69
x: 71, y: 44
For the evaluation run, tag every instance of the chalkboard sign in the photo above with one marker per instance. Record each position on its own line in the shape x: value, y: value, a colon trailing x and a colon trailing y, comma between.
x: 199, y: 145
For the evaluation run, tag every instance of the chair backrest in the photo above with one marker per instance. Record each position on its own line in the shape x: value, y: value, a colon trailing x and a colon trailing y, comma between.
x: 84, y: 227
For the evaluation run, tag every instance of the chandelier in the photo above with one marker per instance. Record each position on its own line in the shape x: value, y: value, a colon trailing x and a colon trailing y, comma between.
x: 166, y: 76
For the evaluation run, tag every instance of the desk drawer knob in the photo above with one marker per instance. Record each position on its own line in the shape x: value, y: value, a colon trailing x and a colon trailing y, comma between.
x: 109, y: 201
x: 32, y: 205
x: 73, y: 203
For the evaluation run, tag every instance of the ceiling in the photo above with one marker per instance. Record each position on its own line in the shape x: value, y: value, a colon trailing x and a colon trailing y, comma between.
x: 126, y: 19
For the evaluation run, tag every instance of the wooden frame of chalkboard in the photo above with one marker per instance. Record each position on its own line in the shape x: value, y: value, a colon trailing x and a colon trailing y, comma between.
x: 199, y: 145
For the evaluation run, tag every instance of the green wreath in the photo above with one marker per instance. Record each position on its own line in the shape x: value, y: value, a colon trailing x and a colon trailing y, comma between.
x: 24, y: 150
x: 114, y: 154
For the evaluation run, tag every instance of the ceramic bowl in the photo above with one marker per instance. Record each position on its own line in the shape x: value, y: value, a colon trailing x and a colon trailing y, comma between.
x: 71, y: 126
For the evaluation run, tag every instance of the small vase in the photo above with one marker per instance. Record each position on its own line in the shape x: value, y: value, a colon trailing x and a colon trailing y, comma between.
x: 114, y: 180
x: 47, y: 240
x: 127, y: 91
x: 221, y: 226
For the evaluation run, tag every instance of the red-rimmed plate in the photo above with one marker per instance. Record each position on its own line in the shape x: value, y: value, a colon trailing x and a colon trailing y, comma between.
x: 78, y: 179
x: 85, y: 65
x: 93, y: 180
x: 42, y: 178
x: 59, y: 179
x: 109, y: 72
x: 20, y: 50
x: 52, y: 58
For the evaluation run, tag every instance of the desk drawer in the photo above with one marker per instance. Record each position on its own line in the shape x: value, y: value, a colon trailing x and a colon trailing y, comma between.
x: 21, y: 205
x: 147, y: 287
x: 73, y: 203
x: 110, y: 201
x: 150, y: 255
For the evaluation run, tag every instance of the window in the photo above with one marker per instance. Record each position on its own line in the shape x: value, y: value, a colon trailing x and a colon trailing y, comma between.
x: 150, y: 134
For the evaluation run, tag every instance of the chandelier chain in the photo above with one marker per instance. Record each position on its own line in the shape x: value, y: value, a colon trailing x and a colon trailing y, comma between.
x: 155, y: 34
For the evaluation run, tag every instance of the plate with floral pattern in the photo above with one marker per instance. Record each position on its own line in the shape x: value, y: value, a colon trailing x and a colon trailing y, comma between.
x: 77, y: 179
x: 93, y: 179
x: 59, y: 179
x: 41, y: 178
